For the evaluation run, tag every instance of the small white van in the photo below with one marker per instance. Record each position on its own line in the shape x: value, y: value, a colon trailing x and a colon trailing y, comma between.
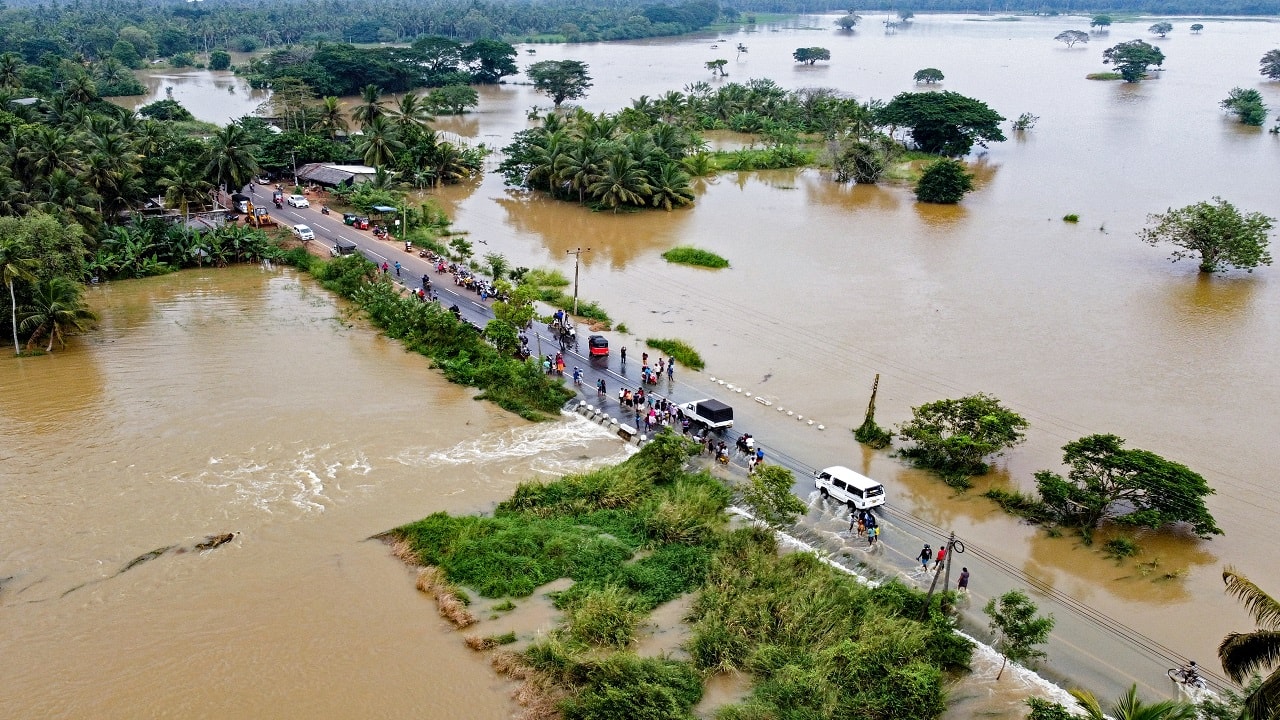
x: 848, y: 487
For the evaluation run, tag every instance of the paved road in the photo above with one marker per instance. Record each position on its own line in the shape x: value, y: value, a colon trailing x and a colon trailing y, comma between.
x: 1104, y: 654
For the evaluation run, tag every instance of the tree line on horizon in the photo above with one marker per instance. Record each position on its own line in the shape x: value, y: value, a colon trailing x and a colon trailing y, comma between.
x: 1035, y: 7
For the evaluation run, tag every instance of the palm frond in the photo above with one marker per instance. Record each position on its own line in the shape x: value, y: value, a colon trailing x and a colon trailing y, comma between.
x: 1243, y: 654
x: 1264, y: 703
x: 1264, y: 608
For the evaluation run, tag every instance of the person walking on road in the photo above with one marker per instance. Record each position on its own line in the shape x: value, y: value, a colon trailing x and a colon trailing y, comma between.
x: 926, y: 554
x: 671, y: 370
x: 577, y: 376
x: 940, y: 557
x: 623, y: 353
x: 385, y: 267
x: 426, y: 282
x: 397, y: 268
x: 963, y: 584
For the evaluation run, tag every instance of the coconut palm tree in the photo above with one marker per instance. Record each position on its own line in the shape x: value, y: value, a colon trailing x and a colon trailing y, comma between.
x: 80, y: 88
x: 623, y: 182
x: 1129, y: 707
x: 410, y: 113
x: 183, y: 183
x: 16, y: 263
x: 232, y: 159
x: 448, y: 165
x: 13, y: 197
x: 370, y: 107
x: 379, y: 143
x: 671, y: 188
x: 579, y: 167
x: 44, y: 149
x: 65, y: 192
x: 332, y: 118
x: 1245, y: 654
x: 56, y: 308
x: 10, y: 71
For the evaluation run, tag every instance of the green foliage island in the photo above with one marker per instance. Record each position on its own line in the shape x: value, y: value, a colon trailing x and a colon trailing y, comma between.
x: 648, y: 531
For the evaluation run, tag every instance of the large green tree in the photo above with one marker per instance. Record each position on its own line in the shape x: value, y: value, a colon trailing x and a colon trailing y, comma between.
x: 560, y: 79
x: 768, y: 493
x: 1269, y: 65
x: 1216, y: 232
x: 955, y: 436
x: 811, y: 55
x: 945, y: 123
x: 1132, y: 59
x: 1246, y: 654
x: 1161, y: 28
x: 379, y: 143
x: 1108, y: 481
x: 490, y: 60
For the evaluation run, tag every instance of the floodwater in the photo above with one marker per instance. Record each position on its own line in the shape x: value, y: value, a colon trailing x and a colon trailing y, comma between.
x: 213, y: 96
x: 242, y: 401
x: 1082, y: 328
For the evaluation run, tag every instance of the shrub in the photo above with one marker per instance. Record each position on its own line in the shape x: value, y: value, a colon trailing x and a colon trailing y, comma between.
x: 626, y: 687
x: 604, y: 616
x: 1019, y: 503
x: 678, y: 349
x: 944, y: 182
x: 1072, y: 218
x: 954, y: 437
x: 1120, y: 548
x: 694, y: 256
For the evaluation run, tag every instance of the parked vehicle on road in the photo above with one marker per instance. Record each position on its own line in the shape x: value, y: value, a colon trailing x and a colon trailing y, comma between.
x: 342, y: 247
x: 848, y: 487
x: 298, y: 201
x: 303, y: 233
x: 712, y: 414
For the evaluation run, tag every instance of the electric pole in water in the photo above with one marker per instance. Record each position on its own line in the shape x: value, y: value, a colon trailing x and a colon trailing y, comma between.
x: 577, y: 256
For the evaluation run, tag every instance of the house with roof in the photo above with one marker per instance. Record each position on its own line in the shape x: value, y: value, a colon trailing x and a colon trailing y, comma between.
x: 327, y: 175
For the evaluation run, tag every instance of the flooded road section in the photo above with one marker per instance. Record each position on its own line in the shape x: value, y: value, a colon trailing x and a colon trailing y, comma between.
x: 1080, y: 327
x: 247, y: 402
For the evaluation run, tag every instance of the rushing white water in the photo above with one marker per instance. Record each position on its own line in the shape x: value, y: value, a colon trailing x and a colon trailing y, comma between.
x: 308, y: 479
x: 548, y: 448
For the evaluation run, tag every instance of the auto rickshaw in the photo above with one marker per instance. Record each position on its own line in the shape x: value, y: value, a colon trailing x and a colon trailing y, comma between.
x: 361, y: 223
x: 349, y: 218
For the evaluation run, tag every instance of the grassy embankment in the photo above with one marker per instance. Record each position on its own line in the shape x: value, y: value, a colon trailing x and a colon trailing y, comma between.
x: 551, y: 284
x: 426, y: 328
x: 678, y: 349
x: 633, y: 536
x: 1104, y: 76
x: 694, y: 256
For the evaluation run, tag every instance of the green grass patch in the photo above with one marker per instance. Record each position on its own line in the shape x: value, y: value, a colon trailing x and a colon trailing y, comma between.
x: 543, y: 277
x: 1104, y: 76
x: 1072, y: 218
x: 812, y: 638
x: 1120, y: 548
x: 622, y: 328
x: 588, y: 309
x: 505, y: 606
x: 694, y: 256
x: 682, y: 351
x: 431, y: 330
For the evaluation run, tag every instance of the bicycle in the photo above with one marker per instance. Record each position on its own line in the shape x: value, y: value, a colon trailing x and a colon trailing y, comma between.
x: 1187, y: 678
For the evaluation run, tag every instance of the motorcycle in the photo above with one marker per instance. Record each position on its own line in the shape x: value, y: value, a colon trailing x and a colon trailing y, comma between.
x: 422, y: 253
x: 324, y: 209
x: 379, y: 232
x: 408, y: 246
x: 279, y: 206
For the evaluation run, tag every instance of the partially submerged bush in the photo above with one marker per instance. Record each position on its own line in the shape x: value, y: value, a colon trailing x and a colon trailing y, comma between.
x: 682, y: 351
x: 694, y: 256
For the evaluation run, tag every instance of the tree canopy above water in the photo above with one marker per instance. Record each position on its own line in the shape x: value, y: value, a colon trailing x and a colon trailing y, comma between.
x: 945, y: 123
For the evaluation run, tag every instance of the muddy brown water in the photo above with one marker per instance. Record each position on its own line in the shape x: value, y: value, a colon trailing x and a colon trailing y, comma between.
x: 1081, y: 327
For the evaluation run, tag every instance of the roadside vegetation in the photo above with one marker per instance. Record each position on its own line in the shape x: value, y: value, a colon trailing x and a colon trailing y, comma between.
x: 694, y: 256
x: 680, y: 350
x: 647, y: 531
x: 457, y: 348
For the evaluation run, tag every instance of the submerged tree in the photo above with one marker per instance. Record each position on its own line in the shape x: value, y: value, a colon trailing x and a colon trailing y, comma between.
x: 945, y: 123
x: 928, y: 76
x: 1101, y: 22
x: 955, y: 437
x: 1132, y: 59
x: 1108, y: 481
x: 1215, y: 232
x: 1071, y: 38
x: 1244, y: 654
x: 1161, y: 28
x: 717, y: 67
x: 56, y: 309
x: 1196, y: 28
x: 560, y: 79
x: 1247, y: 105
x: 17, y: 262
x: 1270, y: 65
x: 1017, y: 628
x: 945, y: 182
x: 811, y: 55
x: 869, y: 432
x: 848, y: 22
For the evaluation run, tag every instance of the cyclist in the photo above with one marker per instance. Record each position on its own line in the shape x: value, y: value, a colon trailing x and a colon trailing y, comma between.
x: 1191, y: 673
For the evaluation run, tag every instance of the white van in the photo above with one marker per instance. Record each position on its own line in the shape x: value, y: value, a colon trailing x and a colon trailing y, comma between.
x: 850, y: 488
x: 303, y: 233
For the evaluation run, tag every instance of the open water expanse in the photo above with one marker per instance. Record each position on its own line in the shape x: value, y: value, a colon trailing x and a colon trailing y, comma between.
x: 192, y: 410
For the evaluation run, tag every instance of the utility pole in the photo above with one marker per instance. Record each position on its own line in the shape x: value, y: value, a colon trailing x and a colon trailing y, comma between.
x: 294, y: 158
x: 953, y: 546
x: 577, y: 256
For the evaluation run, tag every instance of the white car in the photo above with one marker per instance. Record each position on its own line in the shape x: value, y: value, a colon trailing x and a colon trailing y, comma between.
x: 298, y: 201
x: 848, y: 487
x: 303, y: 233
